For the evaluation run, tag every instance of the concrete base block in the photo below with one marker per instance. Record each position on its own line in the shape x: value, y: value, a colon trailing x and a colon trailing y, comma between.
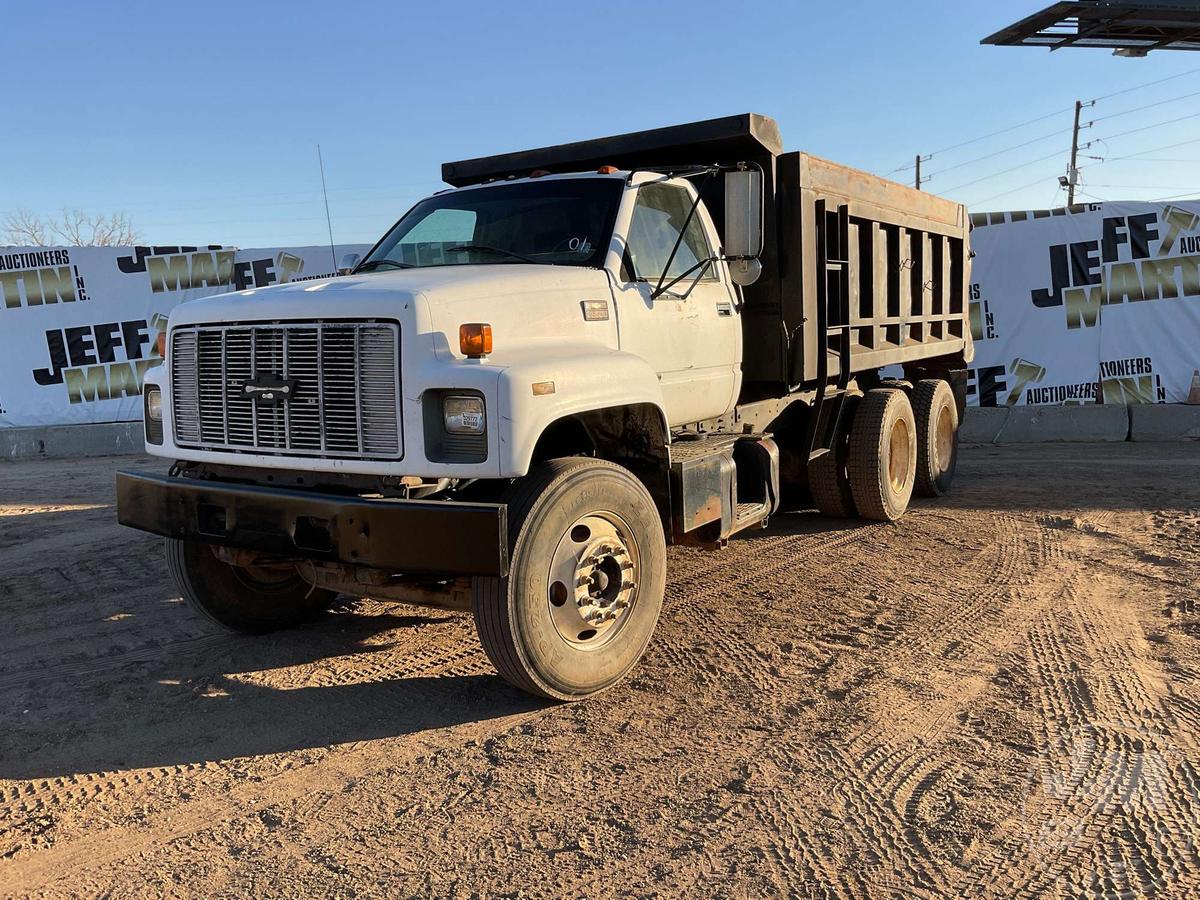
x: 58, y: 441
x: 981, y: 424
x: 1161, y: 422
x: 1043, y: 424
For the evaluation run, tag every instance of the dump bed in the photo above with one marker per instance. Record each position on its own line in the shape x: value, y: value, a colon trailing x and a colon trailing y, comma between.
x: 885, y: 266
x: 870, y: 270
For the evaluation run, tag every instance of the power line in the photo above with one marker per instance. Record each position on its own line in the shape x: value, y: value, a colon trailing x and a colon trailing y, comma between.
x: 984, y: 137
x: 1000, y: 132
x: 1138, y: 87
x: 1186, y: 196
x: 1012, y: 191
x: 1042, y: 118
x: 969, y: 162
x: 1170, y: 159
x: 1113, y: 137
x: 1126, y: 112
x: 1156, y: 149
x: 1003, y: 172
x: 1079, y: 105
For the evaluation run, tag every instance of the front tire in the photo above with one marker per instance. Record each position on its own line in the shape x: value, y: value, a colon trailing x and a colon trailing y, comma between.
x: 587, y: 572
x: 251, y: 600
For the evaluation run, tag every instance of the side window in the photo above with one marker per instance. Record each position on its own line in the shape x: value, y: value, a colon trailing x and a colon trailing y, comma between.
x: 658, y: 217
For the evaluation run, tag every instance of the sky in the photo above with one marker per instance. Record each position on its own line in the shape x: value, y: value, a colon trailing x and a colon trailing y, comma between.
x: 201, y: 121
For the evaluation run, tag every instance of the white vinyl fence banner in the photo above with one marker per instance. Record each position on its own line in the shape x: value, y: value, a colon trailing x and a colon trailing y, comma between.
x: 78, y: 324
x: 1099, y: 303
x: 1067, y: 306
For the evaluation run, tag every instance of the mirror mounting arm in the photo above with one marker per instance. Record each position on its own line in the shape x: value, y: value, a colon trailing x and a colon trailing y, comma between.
x: 703, y: 265
x: 658, y: 288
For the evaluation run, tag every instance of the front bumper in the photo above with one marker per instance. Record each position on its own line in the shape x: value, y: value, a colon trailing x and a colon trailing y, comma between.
x: 417, y: 536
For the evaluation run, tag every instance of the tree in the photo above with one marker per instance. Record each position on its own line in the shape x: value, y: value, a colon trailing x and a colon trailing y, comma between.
x: 73, y: 228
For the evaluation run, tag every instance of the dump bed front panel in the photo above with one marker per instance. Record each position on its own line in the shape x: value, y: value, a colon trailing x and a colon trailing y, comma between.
x: 906, y: 261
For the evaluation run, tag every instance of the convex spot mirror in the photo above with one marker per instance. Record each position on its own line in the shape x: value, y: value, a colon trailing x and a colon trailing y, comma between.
x: 744, y: 216
x: 349, y: 261
x: 744, y: 272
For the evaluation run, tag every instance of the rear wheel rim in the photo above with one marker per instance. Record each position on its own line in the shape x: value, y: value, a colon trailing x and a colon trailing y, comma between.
x: 943, y: 441
x: 899, y: 457
x: 592, y: 583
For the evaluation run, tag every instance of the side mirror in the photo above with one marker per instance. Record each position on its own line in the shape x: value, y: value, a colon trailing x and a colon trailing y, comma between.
x: 743, y: 214
x: 349, y: 261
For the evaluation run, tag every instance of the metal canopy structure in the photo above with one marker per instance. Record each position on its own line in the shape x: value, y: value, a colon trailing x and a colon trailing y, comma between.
x: 1129, y: 28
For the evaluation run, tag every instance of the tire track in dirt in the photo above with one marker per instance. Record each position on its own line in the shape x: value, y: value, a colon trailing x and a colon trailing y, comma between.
x: 326, y: 775
x: 106, y: 664
x: 880, y: 778
x: 883, y: 776
x: 979, y: 620
x: 1110, y: 776
x: 675, y: 642
x: 802, y: 862
x: 23, y: 799
x: 733, y: 656
x: 35, y: 797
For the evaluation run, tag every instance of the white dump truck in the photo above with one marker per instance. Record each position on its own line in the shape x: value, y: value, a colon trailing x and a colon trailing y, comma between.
x: 541, y: 377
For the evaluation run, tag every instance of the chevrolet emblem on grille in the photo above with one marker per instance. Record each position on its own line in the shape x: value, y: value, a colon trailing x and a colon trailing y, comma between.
x: 269, y: 389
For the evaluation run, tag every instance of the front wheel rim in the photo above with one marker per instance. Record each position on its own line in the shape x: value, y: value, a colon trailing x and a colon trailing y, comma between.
x: 592, y: 583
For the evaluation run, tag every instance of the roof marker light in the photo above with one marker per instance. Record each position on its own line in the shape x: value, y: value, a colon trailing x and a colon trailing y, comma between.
x: 607, y: 170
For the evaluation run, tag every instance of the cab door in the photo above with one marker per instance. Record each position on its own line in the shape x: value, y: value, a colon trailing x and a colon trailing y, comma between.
x: 689, y: 333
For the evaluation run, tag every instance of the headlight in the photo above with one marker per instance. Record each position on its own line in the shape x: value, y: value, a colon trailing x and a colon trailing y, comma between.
x: 463, y: 415
x: 152, y: 415
x: 154, y: 403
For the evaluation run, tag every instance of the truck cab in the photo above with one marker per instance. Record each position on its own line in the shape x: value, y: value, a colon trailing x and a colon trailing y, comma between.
x: 527, y: 388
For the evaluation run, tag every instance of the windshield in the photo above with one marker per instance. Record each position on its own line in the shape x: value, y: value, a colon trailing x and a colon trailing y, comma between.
x: 561, y: 222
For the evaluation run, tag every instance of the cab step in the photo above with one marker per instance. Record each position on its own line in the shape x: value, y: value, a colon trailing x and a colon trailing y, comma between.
x: 748, y: 514
x: 721, y: 485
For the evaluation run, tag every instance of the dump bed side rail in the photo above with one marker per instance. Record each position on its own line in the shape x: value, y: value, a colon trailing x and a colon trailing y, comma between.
x: 906, y: 268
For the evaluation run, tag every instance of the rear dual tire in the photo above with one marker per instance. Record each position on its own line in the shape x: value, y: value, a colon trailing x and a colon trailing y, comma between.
x: 883, y: 455
x: 936, y: 415
x: 829, y: 474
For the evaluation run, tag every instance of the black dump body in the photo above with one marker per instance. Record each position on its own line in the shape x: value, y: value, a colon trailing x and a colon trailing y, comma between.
x: 870, y: 270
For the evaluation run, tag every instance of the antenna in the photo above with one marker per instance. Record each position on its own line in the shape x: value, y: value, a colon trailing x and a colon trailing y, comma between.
x: 328, y: 221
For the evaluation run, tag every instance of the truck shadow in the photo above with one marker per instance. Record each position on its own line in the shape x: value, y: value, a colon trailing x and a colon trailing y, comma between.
x: 331, y: 683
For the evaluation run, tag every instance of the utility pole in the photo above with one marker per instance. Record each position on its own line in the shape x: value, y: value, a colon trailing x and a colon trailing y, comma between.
x: 1072, y: 171
x: 920, y: 159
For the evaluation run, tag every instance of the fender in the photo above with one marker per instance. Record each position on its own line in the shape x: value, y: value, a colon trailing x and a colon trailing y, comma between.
x: 572, y: 379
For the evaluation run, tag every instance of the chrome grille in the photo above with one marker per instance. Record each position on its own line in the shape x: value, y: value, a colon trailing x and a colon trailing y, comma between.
x: 347, y: 395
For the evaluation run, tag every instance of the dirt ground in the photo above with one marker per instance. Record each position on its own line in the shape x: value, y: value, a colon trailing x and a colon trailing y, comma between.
x: 997, y: 697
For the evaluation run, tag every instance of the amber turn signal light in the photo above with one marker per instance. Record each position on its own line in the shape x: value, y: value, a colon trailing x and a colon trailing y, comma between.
x: 475, y: 340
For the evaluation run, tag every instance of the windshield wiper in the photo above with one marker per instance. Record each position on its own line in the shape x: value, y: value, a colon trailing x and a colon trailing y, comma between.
x: 376, y: 263
x: 497, y: 251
